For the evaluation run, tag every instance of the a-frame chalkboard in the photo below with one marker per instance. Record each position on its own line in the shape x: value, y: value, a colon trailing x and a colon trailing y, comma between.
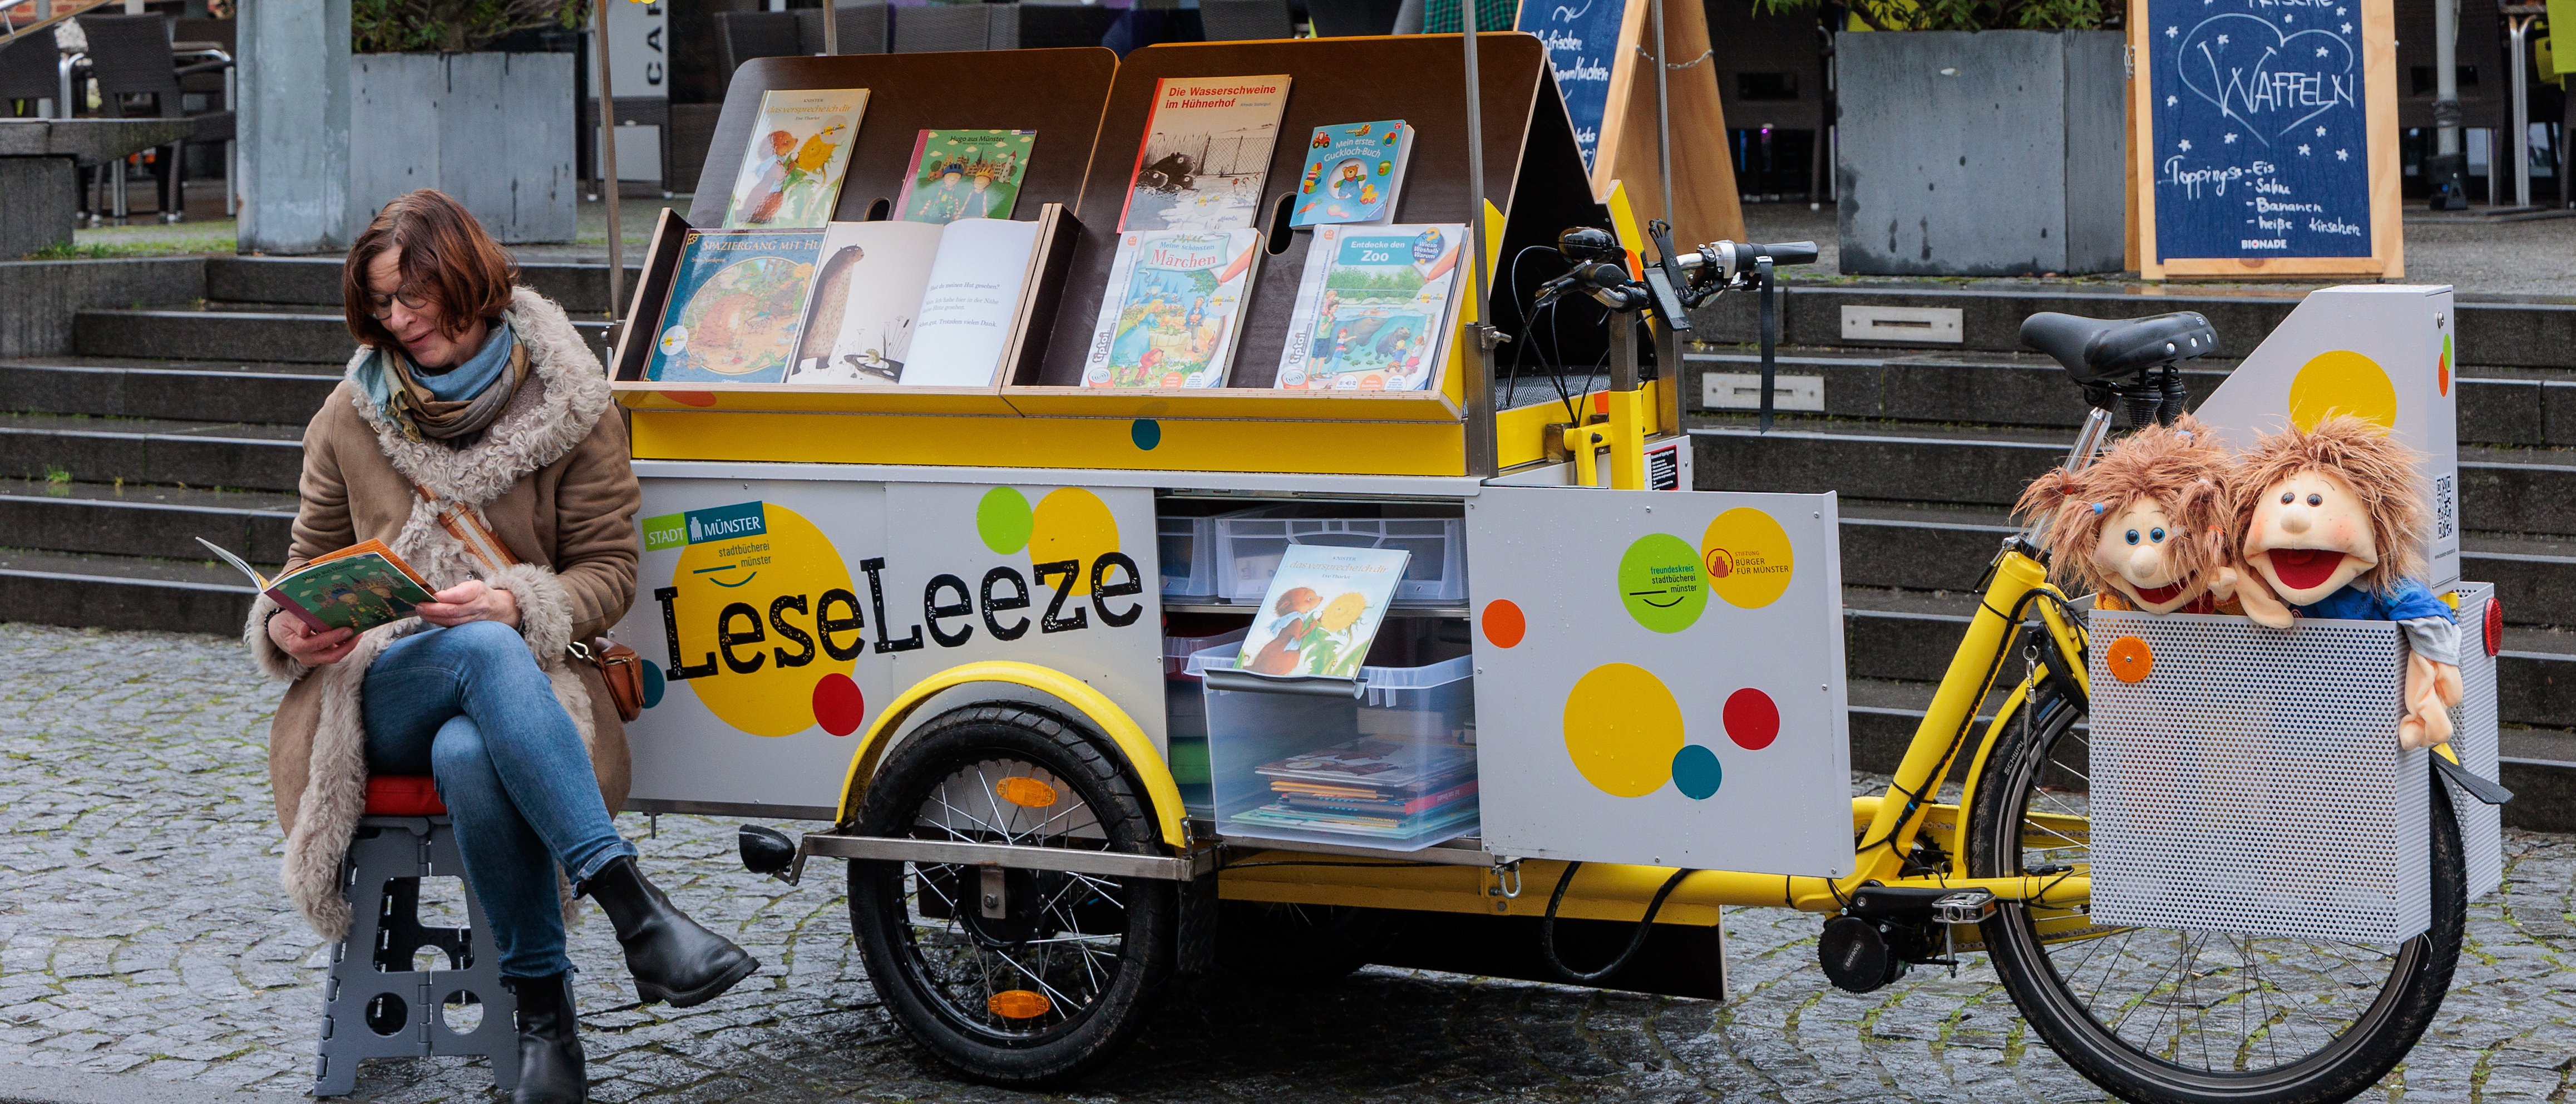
x: 2264, y: 138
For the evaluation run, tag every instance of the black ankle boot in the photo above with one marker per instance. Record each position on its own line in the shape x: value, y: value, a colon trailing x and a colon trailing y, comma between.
x: 550, y: 1065
x: 671, y: 957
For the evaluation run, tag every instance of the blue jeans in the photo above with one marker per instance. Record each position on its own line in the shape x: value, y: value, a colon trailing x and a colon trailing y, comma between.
x: 468, y: 706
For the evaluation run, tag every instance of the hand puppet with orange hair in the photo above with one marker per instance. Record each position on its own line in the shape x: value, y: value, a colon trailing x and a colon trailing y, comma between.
x: 2330, y: 522
x: 2145, y: 526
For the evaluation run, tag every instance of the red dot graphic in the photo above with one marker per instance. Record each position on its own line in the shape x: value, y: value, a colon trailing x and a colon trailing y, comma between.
x: 1752, y: 719
x: 1504, y: 623
x: 838, y: 705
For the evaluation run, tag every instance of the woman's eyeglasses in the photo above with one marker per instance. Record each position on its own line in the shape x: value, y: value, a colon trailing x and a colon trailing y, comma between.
x: 378, y: 306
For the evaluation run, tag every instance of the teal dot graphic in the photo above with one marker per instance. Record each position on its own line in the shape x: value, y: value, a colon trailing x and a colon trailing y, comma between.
x: 1147, y: 433
x: 653, y: 684
x: 1696, y: 772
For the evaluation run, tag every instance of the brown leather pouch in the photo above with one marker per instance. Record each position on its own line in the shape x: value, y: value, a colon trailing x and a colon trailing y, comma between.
x: 621, y: 668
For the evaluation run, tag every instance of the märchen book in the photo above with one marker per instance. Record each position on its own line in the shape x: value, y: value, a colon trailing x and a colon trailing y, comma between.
x: 1173, y: 309
x: 1353, y: 172
x: 1206, y: 154
x: 958, y: 174
x: 736, y: 299
x: 792, y: 165
x: 358, y: 587
x: 1373, y: 308
x: 1322, y: 610
x: 913, y: 302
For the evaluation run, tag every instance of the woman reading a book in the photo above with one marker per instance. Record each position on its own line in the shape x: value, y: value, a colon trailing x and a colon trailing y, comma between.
x: 475, y: 438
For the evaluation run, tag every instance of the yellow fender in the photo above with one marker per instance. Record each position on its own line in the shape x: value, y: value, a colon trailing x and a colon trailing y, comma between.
x: 1160, y: 791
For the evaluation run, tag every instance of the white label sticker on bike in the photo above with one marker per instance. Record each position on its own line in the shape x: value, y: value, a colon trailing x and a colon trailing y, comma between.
x: 1659, y: 678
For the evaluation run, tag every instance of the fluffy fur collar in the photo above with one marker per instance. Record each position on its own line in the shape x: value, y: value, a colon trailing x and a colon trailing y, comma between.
x: 542, y: 423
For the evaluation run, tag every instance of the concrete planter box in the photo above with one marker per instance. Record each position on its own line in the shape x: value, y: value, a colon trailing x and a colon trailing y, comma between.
x: 1986, y: 153
x: 493, y: 130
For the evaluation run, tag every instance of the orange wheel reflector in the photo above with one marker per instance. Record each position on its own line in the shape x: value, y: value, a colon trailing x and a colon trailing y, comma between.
x: 2130, y: 659
x: 1027, y: 793
x: 1018, y: 1004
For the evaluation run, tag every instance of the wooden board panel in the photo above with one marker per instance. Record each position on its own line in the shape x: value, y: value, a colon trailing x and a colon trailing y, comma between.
x: 1422, y: 77
x: 1057, y: 93
x: 1703, y: 174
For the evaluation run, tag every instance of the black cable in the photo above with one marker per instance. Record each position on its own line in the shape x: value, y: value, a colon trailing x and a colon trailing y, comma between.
x: 1914, y: 798
x: 1645, y: 927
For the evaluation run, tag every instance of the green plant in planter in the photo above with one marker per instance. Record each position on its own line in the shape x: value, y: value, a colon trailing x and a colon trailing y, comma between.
x: 1967, y: 15
x: 452, y: 26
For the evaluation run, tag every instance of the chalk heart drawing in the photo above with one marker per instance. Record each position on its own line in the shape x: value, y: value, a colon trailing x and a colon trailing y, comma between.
x: 2268, y: 81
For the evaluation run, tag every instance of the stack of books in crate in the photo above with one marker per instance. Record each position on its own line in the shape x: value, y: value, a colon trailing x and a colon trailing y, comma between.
x: 1371, y: 787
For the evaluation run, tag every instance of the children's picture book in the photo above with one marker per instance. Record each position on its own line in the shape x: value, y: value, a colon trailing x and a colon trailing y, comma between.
x: 1353, y: 172
x: 736, y: 299
x: 1322, y: 610
x: 358, y: 587
x: 912, y: 302
x: 791, y: 171
x: 965, y: 174
x: 1205, y: 155
x: 1172, y: 310
x: 1373, y: 308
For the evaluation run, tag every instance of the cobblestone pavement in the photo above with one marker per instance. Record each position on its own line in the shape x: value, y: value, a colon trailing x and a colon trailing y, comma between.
x: 142, y: 930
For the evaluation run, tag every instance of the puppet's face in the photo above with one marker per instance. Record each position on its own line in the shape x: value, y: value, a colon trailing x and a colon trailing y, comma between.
x: 2136, y: 551
x: 2311, y: 536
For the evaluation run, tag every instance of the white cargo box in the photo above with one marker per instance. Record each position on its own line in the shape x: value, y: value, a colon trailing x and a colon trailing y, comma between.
x: 1249, y: 545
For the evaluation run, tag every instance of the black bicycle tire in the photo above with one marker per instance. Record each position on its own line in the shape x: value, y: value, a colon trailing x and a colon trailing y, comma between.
x: 2346, y: 1068
x: 926, y: 758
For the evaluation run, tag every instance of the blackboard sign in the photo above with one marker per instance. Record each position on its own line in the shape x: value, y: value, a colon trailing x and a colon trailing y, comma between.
x: 2258, y: 135
x: 1583, y: 40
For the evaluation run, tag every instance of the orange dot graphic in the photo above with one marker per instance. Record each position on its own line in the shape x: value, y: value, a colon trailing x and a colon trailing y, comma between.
x: 2131, y: 660
x: 1505, y: 625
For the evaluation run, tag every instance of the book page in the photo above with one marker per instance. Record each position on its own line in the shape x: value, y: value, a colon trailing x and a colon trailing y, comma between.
x: 876, y: 272
x: 969, y: 303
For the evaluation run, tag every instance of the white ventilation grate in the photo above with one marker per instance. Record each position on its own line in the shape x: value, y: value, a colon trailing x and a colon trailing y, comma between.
x: 2474, y: 741
x: 2251, y: 782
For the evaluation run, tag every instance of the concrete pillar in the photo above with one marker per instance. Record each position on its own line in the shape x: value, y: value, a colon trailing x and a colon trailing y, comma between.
x: 294, y: 104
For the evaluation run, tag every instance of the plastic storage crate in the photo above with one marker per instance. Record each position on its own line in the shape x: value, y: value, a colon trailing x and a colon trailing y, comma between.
x: 2249, y: 779
x: 1250, y: 543
x: 2473, y: 739
x: 1411, y: 728
x: 1187, y: 547
x: 1185, y: 716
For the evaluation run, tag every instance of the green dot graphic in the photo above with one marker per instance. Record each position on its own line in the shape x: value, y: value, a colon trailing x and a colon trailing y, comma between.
x: 1003, y: 520
x: 1662, y: 584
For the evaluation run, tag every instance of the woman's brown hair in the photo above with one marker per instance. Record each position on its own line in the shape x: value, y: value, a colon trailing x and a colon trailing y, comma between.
x: 446, y: 257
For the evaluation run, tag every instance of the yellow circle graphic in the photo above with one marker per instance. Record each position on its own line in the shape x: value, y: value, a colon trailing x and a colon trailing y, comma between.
x: 2342, y: 382
x: 1073, y: 524
x: 1622, y: 728
x: 742, y: 605
x: 1748, y: 558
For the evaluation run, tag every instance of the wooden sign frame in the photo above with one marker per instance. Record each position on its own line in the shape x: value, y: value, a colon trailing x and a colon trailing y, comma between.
x: 1704, y: 190
x: 2387, y: 260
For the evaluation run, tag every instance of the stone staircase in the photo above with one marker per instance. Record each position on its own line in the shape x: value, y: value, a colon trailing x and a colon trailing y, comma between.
x: 174, y: 421
x: 1928, y: 448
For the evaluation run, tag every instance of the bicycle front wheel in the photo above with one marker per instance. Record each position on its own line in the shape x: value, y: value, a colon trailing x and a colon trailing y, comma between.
x: 2160, y: 1016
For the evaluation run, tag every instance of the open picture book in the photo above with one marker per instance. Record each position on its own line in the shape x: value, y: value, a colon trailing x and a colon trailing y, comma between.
x: 357, y: 588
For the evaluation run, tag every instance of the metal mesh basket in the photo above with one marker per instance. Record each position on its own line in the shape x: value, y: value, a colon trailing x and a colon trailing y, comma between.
x: 2474, y: 741
x: 2248, y: 780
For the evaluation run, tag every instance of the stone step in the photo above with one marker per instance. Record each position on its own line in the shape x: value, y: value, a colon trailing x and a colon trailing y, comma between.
x: 122, y: 387
x: 2498, y: 405
x: 580, y: 289
x: 1909, y: 636
x: 123, y: 592
x: 140, y: 520
x: 234, y: 455
x: 2501, y: 490
x: 272, y: 333
x: 2499, y: 330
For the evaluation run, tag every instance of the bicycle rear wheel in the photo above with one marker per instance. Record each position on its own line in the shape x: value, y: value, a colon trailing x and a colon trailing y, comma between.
x: 2192, y: 1017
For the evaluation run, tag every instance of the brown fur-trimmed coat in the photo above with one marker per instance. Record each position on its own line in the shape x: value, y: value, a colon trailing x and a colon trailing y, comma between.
x: 553, y: 479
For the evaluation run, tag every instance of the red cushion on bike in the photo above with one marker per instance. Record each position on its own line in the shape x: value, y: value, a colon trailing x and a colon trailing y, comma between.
x: 403, y: 795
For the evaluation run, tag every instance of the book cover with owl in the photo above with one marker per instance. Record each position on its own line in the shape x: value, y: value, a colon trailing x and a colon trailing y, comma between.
x: 965, y: 174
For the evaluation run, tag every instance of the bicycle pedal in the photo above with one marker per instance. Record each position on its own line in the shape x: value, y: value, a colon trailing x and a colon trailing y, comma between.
x: 1968, y: 906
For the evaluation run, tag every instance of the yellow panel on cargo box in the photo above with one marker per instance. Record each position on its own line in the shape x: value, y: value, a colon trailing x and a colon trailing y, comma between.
x: 1133, y: 444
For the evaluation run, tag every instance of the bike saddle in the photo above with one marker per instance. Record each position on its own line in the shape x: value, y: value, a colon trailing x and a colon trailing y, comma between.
x: 2101, y: 350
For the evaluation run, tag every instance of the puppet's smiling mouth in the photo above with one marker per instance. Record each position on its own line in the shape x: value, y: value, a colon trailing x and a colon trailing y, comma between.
x: 2157, y: 596
x: 2305, y: 568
